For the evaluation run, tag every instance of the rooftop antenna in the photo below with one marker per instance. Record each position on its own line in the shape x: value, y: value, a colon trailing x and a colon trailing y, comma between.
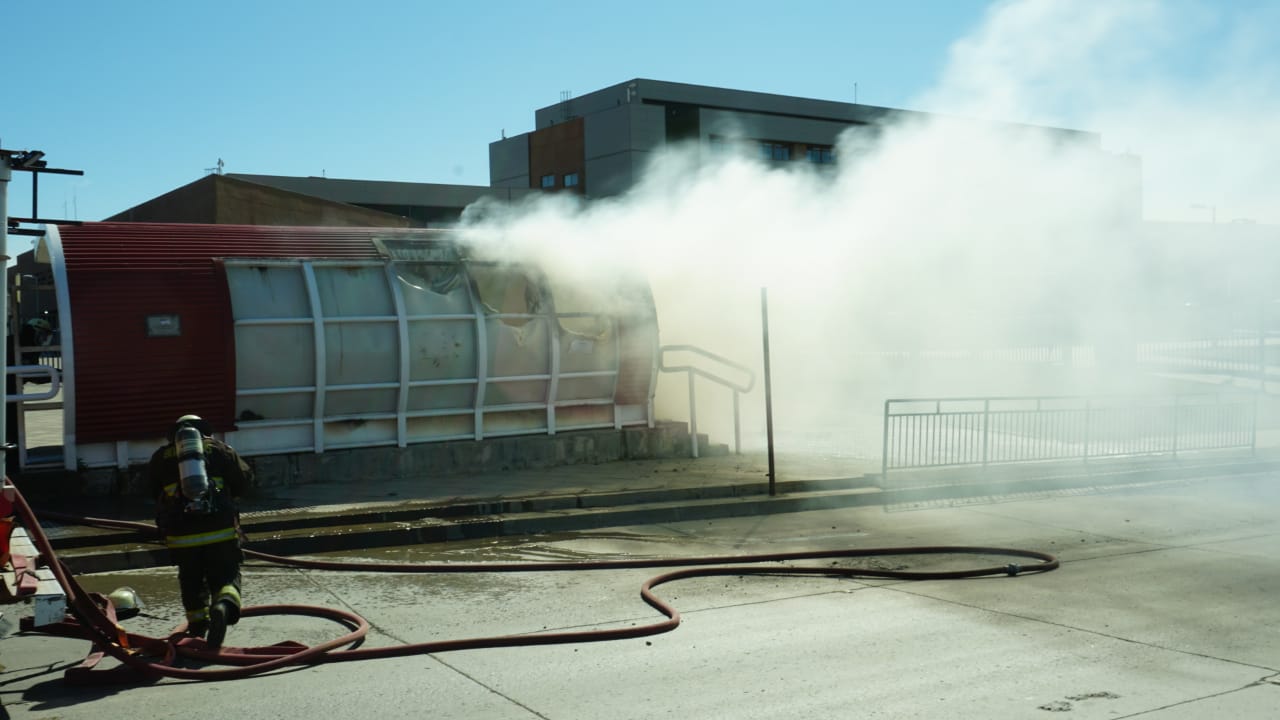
x: 855, y: 93
x: 216, y: 170
x: 565, y: 97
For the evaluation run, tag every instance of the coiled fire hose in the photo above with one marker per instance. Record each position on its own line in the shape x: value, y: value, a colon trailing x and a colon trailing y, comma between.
x: 145, y: 658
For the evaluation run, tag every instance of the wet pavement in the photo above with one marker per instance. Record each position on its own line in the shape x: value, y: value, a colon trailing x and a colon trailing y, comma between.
x: 1161, y: 610
x: 330, y: 517
x: 320, y: 517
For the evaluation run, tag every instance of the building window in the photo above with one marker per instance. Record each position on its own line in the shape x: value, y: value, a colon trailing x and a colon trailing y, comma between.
x: 821, y: 155
x: 571, y: 180
x: 548, y: 181
x: 774, y: 150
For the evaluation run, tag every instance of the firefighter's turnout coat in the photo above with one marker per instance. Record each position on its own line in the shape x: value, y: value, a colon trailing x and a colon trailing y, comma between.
x: 229, y: 478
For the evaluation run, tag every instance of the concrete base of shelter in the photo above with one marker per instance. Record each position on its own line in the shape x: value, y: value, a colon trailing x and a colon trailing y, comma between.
x: 521, y: 452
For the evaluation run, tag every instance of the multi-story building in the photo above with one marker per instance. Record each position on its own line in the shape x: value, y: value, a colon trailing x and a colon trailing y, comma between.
x: 598, y: 144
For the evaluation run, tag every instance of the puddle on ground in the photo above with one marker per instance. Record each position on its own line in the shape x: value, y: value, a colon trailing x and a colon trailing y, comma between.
x: 551, y: 547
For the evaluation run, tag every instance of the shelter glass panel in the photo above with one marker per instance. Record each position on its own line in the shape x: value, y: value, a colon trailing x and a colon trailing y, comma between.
x: 436, y: 428
x: 506, y: 289
x: 583, y: 415
x: 515, y: 422
x: 267, y: 292
x: 285, y: 406
x: 270, y: 356
x: 516, y: 350
x: 518, y: 392
x: 358, y: 433
x: 587, y: 388
x: 442, y: 349
x: 433, y: 288
x: 355, y: 402
x: 442, y: 397
x: 588, y: 333
x: 361, y: 352
x: 353, y: 291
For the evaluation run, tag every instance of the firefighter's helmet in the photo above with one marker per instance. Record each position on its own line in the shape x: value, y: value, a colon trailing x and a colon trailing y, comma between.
x: 126, y: 602
x: 194, y: 421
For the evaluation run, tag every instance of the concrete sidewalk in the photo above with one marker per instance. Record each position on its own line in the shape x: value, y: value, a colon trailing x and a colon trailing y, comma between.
x: 329, y: 517
x: 318, y: 517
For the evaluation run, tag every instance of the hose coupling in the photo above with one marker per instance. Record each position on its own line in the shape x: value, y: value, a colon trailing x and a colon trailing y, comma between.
x: 1013, y: 569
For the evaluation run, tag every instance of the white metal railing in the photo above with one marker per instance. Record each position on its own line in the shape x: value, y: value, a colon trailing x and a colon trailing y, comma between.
x: 692, y: 371
x: 30, y: 371
x: 938, y: 432
x: 36, y: 372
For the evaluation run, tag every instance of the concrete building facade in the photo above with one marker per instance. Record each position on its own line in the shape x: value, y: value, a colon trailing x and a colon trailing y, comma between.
x: 432, y: 205
x: 242, y: 199
x: 598, y: 144
x: 227, y: 200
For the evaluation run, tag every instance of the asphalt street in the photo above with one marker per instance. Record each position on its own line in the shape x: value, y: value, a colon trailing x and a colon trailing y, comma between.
x: 1164, y: 609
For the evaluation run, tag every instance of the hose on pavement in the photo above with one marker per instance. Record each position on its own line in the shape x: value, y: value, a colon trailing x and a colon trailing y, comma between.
x: 147, y: 658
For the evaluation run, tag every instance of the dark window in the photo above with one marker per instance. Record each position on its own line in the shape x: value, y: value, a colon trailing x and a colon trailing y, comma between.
x: 571, y: 180
x: 774, y: 150
x: 821, y: 155
x: 548, y: 181
x: 683, y: 123
x: 721, y: 145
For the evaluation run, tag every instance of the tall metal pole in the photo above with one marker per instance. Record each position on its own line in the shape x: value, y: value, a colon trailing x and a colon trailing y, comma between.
x: 6, y: 173
x: 768, y: 387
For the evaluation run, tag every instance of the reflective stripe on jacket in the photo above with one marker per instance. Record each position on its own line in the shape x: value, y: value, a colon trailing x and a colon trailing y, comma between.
x: 198, y: 539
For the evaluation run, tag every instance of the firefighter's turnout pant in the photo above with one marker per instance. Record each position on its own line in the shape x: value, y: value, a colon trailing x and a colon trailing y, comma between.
x: 209, y: 573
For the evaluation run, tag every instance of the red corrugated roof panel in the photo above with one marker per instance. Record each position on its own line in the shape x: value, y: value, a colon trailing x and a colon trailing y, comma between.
x: 129, y: 385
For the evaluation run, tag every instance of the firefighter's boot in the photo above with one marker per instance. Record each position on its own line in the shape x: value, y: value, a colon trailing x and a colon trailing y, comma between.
x: 197, y: 622
x: 218, y: 614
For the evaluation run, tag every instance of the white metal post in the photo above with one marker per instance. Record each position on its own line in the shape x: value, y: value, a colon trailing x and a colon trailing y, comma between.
x: 553, y: 340
x: 6, y: 173
x: 402, y: 335
x: 318, y: 329
x: 693, y: 417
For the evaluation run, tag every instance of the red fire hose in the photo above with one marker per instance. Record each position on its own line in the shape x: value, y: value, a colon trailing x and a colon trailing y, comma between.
x: 143, y: 658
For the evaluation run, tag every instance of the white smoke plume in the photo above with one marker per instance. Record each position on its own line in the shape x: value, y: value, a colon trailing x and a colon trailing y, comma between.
x: 942, y: 245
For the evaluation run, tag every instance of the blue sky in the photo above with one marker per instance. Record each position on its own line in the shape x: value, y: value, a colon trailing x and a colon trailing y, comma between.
x: 144, y: 95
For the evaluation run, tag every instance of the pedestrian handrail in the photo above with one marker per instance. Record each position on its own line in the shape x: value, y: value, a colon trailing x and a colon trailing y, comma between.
x: 938, y: 432
x: 50, y: 355
x: 29, y: 371
x: 692, y: 371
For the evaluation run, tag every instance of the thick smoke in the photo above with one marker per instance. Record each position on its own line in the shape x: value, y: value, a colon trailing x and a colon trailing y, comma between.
x: 961, y: 253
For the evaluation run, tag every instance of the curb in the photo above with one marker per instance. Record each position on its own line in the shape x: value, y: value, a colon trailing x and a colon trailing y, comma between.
x: 436, y: 523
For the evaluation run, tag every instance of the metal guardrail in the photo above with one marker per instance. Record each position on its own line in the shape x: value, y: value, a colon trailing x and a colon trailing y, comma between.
x: 28, y: 402
x: 939, y: 432
x: 35, y: 371
x: 692, y: 371
x: 49, y: 355
x: 1241, y: 355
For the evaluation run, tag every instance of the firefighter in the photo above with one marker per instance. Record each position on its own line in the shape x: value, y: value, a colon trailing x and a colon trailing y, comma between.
x: 196, y: 480
x: 35, y: 333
